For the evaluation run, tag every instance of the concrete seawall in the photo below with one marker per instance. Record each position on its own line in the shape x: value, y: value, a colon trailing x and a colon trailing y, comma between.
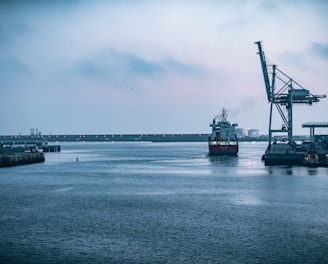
x: 25, y: 139
x: 9, y: 158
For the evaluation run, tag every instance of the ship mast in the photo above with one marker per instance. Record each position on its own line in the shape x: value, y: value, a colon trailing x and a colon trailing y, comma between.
x: 224, y: 115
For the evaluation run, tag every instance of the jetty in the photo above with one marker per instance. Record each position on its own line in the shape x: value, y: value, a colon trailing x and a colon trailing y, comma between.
x: 28, y: 142
x: 19, y: 156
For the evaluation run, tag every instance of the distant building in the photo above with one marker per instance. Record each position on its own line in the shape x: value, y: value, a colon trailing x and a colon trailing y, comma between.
x: 253, y: 133
x: 240, y: 132
x: 247, y: 133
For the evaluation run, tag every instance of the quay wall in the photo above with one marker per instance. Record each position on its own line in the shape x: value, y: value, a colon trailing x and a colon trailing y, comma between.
x: 14, y: 159
x: 27, y: 139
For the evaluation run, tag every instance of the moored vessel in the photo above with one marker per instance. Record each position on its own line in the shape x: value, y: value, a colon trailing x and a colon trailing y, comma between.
x: 223, y: 139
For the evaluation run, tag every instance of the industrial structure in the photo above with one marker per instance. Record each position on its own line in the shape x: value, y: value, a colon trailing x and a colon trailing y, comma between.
x: 283, y: 91
x: 312, y: 126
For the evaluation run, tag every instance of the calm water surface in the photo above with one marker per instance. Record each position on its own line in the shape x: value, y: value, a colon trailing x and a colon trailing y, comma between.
x: 144, y: 202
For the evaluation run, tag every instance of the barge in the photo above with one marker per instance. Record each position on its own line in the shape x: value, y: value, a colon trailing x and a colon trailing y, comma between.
x: 310, y: 154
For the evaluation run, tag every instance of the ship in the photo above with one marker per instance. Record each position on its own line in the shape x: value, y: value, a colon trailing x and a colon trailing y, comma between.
x: 223, y: 140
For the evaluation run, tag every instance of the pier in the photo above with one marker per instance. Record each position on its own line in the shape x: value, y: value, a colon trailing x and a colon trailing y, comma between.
x: 12, y: 157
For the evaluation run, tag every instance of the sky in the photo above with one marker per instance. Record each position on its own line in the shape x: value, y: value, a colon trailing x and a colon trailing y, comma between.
x: 148, y: 66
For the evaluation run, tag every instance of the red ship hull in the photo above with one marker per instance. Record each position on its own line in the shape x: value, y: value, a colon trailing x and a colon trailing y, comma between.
x: 226, y: 149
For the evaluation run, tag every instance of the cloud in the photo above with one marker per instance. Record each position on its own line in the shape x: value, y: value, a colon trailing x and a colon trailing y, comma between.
x: 90, y: 69
x: 13, y: 31
x: 127, y: 58
x: 142, y: 66
x: 13, y: 66
x: 121, y: 69
x: 293, y: 60
x: 319, y: 49
x: 12, y: 72
x: 14, y: 28
x: 115, y: 64
x: 178, y: 67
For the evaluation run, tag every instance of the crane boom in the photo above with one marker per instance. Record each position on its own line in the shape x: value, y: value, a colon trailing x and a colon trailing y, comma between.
x: 264, y: 70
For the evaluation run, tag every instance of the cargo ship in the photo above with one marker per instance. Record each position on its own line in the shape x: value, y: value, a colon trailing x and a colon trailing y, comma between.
x: 223, y: 140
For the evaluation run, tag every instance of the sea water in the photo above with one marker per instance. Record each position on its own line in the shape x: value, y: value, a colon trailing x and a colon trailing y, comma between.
x: 143, y: 202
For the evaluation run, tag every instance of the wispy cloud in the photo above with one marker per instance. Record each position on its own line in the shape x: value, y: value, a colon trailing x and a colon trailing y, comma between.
x: 320, y: 50
x: 114, y: 64
x: 143, y: 66
x: 13, y: 66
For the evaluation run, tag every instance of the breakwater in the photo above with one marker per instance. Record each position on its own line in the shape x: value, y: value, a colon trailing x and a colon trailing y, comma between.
x: 41, y: 145
x: 10, y: 157
x: 50, y: 148
x: 23, y: 139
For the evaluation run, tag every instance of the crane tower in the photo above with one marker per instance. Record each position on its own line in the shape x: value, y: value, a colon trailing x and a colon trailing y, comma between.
x: 289, y: 92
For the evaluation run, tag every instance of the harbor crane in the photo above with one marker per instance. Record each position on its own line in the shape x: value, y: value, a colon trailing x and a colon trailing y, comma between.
x: 289, y: 93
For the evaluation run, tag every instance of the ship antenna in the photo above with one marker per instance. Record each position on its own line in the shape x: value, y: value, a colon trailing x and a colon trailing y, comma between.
x: 224, y: 114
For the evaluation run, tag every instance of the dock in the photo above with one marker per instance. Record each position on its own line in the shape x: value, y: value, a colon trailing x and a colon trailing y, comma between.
x: 12, y: 157
x: 28, y: 142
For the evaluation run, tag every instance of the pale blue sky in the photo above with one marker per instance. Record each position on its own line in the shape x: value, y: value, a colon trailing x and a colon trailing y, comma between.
x: 82, y: 67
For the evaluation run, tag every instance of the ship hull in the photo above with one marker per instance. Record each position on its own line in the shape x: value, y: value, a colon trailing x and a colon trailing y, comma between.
x: 220, y: 150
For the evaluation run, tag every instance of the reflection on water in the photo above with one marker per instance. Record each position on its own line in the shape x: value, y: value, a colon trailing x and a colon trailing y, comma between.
x: 296, y: 171
x: 312, y: 172
x: 224, y: 160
